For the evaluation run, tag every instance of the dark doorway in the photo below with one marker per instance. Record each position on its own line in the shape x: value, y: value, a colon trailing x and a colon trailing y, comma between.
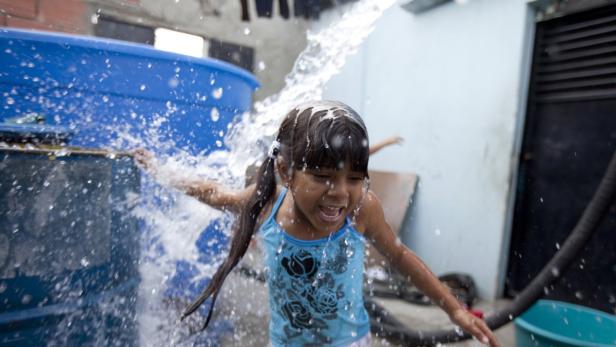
x: 569, y: 137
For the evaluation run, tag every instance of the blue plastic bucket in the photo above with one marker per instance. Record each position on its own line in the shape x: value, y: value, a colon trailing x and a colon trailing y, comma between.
x: 551, y: 323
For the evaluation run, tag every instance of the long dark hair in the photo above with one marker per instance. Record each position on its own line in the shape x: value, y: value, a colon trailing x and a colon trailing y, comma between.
x: 320, y: 134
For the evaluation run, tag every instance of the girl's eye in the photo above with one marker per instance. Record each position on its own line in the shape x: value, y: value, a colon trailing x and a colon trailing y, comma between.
x: 321, y: 177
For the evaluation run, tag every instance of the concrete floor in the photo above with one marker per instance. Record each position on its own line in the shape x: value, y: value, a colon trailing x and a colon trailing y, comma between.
x: 432, y: 318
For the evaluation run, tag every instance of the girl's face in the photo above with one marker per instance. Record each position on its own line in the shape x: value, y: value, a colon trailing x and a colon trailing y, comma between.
x: 325, y: 197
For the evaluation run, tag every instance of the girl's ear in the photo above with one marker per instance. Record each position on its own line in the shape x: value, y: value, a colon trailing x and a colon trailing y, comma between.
x: 283, y: 171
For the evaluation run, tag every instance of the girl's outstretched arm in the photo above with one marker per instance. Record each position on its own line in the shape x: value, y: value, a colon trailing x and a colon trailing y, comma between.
x: 208, y: 192
x: 377, y: 230
x: 384, y: 143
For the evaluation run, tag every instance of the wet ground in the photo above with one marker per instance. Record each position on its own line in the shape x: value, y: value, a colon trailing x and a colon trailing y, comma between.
x: 432, y: 318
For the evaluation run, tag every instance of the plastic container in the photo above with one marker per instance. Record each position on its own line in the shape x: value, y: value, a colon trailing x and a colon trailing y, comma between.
x: 100, y: 87
x: 105, y: 90
x: 551, y: 323
x: 68, y: 251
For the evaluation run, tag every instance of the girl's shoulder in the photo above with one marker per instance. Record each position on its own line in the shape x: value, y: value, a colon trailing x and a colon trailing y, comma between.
x: 269, y: 206
x: 370, y: 213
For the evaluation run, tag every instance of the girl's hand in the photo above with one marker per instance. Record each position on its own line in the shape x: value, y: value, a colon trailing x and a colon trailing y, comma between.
x: 394, y: 140
x: 474, y: 326
x: 145, y: 160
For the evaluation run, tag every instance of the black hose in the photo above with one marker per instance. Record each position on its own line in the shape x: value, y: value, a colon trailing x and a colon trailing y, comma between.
x: 387, y: 326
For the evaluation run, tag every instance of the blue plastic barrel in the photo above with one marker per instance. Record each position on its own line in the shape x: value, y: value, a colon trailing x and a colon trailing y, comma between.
x: 97, y: 86
x: 551, y: 323
x: 69, y: 248
x: 101, y: 89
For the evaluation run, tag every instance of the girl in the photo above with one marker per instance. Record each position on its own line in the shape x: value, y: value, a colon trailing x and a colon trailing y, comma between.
x: 313, y: 228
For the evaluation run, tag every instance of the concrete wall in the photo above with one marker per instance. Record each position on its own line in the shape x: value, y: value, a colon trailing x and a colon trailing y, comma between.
x: 276, y: 41
x: 452, y: 81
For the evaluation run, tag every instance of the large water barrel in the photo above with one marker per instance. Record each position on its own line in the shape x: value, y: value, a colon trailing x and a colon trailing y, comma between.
x: 69, y: 248
x: 108, y: 93
x: 103, y: 88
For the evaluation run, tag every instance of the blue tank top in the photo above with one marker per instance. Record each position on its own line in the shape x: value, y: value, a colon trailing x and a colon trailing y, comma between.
x: 315, y: 287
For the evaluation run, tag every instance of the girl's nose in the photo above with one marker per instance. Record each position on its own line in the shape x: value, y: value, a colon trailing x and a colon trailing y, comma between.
x: 337, y: 187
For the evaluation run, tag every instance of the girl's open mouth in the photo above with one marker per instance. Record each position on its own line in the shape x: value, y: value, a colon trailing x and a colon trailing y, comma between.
x: 330, y: 213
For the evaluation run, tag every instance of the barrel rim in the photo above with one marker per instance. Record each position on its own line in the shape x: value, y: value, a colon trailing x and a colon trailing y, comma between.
x: 123, y: 47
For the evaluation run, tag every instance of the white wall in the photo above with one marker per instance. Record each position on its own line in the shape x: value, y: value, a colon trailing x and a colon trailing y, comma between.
x: 452, y: 82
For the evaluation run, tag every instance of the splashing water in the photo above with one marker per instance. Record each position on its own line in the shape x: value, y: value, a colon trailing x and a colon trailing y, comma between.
x: 173, y: 241
x: 176, y: 227
x: 325, y: 55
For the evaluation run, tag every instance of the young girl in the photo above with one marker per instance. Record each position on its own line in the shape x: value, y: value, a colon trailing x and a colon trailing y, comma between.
x: 313, y: 229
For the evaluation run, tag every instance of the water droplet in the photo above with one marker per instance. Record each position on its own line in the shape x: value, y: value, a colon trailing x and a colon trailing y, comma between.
x: 579, y: 295
x: 173, y: 82
x: 10, y: 101
x: 217, y: 93
x: 261, y: 65
x: 84, y: 262
x: 246, y: 31
x: 3, y: 287
x: 458, y: 330
x: 214, y: 114
x: 26, y: 299
x: 555, y: 272
x: 142, y: 87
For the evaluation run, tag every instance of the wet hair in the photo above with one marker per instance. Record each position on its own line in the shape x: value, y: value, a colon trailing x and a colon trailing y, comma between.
x: 312, y: 136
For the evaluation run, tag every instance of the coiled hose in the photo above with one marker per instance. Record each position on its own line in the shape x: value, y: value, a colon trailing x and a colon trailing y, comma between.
x: 387, y: 326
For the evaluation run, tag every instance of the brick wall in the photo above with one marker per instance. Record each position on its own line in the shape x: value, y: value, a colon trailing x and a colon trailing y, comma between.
x: 69, y: 16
